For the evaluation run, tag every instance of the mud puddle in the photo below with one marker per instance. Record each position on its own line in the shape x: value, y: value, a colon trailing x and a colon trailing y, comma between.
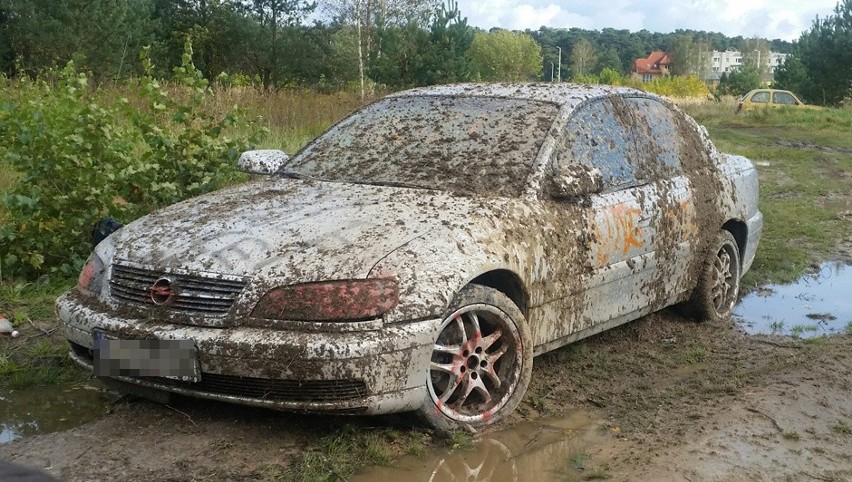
x: 817, y: 304
x: 569, y: 448
x: 50, y: 409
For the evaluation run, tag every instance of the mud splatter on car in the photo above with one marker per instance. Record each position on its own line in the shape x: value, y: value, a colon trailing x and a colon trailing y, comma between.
x: 418, y: 254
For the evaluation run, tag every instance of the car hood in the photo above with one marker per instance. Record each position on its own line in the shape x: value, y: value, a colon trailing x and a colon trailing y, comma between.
x: 295, y: 229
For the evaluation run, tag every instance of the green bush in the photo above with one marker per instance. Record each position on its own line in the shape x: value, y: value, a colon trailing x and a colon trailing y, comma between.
x: 80, y: 156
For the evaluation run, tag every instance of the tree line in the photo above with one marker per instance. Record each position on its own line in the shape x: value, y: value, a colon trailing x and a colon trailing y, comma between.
x: 335, y: 44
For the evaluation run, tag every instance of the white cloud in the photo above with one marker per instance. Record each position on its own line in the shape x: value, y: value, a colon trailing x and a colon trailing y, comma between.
x: 784, y: 19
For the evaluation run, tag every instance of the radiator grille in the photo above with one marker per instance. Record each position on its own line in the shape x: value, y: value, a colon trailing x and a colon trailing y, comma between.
x: 270, y: 389
x: 192, y: 294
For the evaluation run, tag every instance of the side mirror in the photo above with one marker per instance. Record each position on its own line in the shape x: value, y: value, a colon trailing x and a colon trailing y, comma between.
x: 576, y: 182
x: 263, y: 161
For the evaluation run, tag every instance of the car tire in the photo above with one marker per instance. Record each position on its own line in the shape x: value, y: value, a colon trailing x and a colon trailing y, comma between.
x: 481, y: 363
x: 719, y: 281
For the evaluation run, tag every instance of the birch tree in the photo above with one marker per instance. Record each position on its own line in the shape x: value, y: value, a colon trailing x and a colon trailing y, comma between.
x: 366, y: 15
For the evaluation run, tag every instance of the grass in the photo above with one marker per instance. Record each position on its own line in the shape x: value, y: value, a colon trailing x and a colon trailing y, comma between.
x: 804, y: 160
x: 338, y: 455
x: 842, y: 428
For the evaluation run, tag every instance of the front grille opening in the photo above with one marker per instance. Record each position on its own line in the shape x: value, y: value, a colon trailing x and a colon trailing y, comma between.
x: 271, y: 389
x: 193, y: 294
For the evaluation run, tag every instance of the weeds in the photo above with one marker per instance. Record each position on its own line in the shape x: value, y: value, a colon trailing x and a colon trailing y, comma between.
x: 339, y: 455
x: 791, y: 435
x: 842, y: 428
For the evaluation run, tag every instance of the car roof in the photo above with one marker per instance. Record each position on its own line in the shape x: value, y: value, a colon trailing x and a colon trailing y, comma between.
x: 562, y: 94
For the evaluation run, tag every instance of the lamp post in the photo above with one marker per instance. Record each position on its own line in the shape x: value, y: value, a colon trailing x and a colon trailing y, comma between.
x: 559, y: 69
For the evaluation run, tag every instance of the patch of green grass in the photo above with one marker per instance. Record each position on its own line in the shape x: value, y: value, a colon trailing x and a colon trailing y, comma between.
x: 579, y: 460
x: 20, y: 301
x: 339, y: 455
x: 600, y: 472
x: 842, y: 427
x: 777, y: 327
x: 24, y: 364
x: 791, y: 435
x: 695, y: 354
x: 849, y: 327
x: 459, y: 439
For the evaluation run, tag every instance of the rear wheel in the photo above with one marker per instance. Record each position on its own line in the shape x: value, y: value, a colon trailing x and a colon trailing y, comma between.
x: 719, y: 280
x: 481, y: 363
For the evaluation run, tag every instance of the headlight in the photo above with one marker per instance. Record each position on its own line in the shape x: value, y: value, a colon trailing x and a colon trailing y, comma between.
x: 91, y: 278
x: 343, y: 300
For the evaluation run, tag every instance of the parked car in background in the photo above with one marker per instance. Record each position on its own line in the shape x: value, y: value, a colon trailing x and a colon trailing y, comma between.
x: 419, y: 253
x: 763, y: 98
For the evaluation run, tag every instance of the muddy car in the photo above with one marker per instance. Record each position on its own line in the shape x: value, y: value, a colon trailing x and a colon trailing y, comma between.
x: 420, y: 253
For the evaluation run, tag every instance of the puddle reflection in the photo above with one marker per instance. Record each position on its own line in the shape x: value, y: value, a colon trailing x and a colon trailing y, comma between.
x: 815, y: 305
x: 541, y: 450
x: 49, y: 409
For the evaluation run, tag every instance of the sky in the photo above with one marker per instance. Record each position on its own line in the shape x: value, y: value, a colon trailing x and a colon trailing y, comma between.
x: 771, y: 19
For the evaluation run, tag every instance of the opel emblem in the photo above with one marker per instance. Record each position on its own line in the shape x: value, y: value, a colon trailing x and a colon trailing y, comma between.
x: 161, y: 291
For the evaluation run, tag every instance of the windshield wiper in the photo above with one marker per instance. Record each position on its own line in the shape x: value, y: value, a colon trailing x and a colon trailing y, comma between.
x: 296, y: 175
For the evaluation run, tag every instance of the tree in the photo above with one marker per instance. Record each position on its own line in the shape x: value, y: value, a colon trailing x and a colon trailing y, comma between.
x: 609, y: 60
x: 793, y: 76
x: 756, y: 52
x: 740, y: 81
x: 826, y: 53
x: 445, y: 58
x: 272, y: 16
x: 583, y: 58
x: 501, y: 55
x: 101, y: 36
x: 369, y: 17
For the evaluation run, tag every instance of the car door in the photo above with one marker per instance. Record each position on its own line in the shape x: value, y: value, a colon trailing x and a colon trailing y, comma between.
x: 641, y: 225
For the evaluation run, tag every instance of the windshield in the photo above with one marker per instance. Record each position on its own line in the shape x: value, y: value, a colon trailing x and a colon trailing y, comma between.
x: 475, y: 145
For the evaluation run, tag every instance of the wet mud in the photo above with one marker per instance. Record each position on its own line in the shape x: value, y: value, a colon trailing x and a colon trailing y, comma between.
x: 549, y: 449
x: 41, y: 410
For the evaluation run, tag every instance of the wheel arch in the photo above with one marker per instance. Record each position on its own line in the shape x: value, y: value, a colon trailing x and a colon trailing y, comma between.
x: 508, y: 283
x: 740, y: 232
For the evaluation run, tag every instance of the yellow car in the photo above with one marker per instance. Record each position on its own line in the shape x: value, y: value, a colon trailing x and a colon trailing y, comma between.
x: 762, y: 98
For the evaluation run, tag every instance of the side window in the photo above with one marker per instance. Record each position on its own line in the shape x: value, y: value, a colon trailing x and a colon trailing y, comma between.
x: 631, y: 141
x: 760, y: 97
x: 783, y: 98
x: 656, y: 134
x: 596, y: 137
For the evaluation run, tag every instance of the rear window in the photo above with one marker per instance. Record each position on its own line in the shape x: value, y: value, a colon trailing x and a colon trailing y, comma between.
x: 783, y: 98
x: 475, y: 145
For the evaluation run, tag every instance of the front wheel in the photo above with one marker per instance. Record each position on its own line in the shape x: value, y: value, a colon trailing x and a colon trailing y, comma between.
x: 719, y: 280
x: 481, y: 363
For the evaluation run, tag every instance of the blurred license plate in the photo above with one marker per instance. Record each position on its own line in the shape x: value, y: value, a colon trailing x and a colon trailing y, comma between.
x: 145, y: 358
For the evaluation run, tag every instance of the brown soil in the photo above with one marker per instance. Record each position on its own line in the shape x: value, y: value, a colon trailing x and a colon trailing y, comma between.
x: 677, y: 400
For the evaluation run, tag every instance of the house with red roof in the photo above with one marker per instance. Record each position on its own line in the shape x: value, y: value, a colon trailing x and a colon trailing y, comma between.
x: 655, y: 66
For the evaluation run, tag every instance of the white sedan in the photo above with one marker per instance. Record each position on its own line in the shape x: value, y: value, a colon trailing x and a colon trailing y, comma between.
x: 418, y: 254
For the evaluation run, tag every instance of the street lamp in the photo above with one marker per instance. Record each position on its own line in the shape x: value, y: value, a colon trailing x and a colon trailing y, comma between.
x: 559, y: 69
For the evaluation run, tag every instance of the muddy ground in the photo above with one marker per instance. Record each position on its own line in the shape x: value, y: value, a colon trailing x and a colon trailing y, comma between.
x: 669, y: 399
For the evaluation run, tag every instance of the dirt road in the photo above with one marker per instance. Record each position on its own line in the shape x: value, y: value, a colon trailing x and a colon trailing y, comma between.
x: 662, y: 398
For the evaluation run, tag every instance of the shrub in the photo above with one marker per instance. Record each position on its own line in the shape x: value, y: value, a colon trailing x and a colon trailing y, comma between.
x: 79, y: 160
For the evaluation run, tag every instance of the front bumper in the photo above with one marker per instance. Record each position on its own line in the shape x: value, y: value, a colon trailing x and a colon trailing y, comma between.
x: 371, y: 372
